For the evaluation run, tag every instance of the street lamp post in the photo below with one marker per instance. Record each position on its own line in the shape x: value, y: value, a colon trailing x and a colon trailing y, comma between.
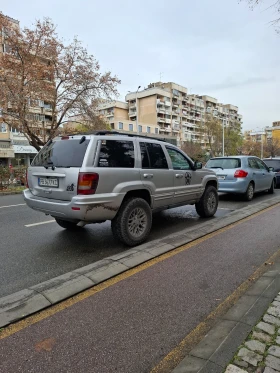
x: 223, y: 137
x: 137, y: 110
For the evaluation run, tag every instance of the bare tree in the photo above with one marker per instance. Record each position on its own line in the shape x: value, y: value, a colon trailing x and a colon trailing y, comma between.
x: 40, y: 70
x: 213, y: 132
x: 270, y: 4
x: 250, y: 147
x: 194, y: 150
x: 272, y: 148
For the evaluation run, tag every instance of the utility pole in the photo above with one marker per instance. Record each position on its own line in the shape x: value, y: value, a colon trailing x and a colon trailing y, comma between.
x: 223, y: 137
x: 136, y: 100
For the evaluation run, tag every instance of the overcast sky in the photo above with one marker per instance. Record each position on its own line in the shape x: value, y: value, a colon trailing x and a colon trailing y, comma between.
x: 215, y: 47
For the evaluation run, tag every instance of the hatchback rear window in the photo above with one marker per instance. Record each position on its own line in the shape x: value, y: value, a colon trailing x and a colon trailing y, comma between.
x: 228, y: 163
x: 62, y: 153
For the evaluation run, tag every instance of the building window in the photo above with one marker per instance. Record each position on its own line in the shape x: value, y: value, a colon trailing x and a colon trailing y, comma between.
x: 115, y: 153
x: 130, y: 127
x: 3, y: 128
x: 14, y: 130
x: 112, y: 126
x: 148, y: 129
x: 140, y: 128
x: 156, y: 131
x: 120, y: 126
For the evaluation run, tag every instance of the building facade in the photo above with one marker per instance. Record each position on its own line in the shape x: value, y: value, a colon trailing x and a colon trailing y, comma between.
x: 167, y: 110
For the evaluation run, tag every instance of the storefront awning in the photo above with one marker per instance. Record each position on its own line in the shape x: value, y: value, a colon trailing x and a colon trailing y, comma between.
x: 24, y: 149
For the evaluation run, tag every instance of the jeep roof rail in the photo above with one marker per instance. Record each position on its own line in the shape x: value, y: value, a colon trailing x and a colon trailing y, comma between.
x: 106, y: 132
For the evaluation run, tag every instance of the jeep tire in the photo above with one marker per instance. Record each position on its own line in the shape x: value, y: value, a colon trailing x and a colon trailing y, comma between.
x: 208, y: 203
x: 133, y: 221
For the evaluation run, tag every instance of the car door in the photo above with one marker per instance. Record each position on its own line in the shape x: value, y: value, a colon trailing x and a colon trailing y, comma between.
x: 185, y: 183
x: 156, y: 175
x: 265, y: 176
x: 256, y: 173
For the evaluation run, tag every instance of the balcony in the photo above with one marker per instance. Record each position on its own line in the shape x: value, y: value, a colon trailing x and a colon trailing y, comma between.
x: 110, y: 114
x: 167, y: 120
x: 174, y: 104
x: 162, y: 111
x: 160, y: 103
x: 167, y: 103
x: 132, y: 114
x: 165, y: 129
x: 161, y: 120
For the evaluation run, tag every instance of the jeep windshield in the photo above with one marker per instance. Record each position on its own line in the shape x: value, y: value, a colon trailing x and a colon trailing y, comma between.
x: 62, y: 153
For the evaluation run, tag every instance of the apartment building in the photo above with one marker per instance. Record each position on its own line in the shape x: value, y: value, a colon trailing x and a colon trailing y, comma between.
x: 122, y: 117
x: 14, y: 146
x: 170, y: 110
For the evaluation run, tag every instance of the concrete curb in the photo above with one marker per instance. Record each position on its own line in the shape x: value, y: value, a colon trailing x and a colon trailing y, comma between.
x: 10, y: 193
x: 26, y: 302
x: 219, y: 346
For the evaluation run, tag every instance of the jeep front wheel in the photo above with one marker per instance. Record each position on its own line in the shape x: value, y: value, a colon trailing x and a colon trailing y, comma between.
x: 133, y: 222
x: 208, y: 203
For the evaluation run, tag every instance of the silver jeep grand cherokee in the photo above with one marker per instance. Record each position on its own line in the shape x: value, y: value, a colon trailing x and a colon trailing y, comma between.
x: 88, y: 179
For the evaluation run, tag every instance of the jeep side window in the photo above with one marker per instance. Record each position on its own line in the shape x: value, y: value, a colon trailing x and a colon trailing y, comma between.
x: 153, y: 156
x: 179, y: 162
x: 116, y: 153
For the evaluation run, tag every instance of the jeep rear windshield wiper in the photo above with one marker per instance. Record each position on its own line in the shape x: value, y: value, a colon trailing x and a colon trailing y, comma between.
x: 48, y: 164
x: 217, y: 167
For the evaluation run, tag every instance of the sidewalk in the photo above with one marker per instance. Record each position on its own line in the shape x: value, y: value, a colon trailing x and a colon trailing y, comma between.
x: 247, y: 337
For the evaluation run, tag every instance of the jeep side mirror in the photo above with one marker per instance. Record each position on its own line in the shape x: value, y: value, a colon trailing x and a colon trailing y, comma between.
x: 197, y: 165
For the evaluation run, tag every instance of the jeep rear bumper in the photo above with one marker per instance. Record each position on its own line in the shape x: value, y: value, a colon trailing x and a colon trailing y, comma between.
x: 93, y: 208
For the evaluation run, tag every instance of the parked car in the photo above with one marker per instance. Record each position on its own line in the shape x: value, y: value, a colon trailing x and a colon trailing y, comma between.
x: 242, y: 175
x: 275, y: 164
x: 88, y: 179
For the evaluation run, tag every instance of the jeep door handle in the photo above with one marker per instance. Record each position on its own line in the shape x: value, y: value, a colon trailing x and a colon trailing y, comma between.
x: 148, y: 176
x: 179, y: 176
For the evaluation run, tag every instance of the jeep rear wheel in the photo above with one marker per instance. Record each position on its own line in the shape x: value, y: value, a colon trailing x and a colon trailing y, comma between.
x: 67, y: 224
x: 133, y: 222
x: 208, y: 203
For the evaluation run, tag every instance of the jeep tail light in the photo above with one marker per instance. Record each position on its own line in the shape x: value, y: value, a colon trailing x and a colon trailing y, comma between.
x: 26, y: 179
x: 87, y: 183
x: 240, y: 173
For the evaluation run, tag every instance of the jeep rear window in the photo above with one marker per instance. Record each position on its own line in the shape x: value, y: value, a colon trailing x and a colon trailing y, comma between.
x: 224, y: 163
x: 62, y: 153
x: 116, y: 153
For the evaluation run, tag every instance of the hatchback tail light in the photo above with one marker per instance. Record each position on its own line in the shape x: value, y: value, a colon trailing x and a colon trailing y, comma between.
x: 240, y: 173
x: 87, y: 183
x: 26, y: 179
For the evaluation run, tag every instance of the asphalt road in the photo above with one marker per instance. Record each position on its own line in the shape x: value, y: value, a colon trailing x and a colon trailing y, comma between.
x: 134, y: 322
x: 33, y: 254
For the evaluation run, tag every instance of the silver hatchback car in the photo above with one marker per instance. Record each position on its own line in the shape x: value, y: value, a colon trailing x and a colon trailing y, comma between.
x: 243, y: 175
x: 88, y: 179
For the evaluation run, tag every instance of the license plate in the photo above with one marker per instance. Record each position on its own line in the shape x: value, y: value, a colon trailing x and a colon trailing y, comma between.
x: 221, y: 177
x: 48, y: 182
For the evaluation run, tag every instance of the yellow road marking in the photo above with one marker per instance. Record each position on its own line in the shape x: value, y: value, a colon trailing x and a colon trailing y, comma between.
x: 16, y: 327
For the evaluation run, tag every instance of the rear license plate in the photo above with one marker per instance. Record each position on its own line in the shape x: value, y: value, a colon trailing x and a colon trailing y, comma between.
x: 221, y: 177
x: 48, y: 182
